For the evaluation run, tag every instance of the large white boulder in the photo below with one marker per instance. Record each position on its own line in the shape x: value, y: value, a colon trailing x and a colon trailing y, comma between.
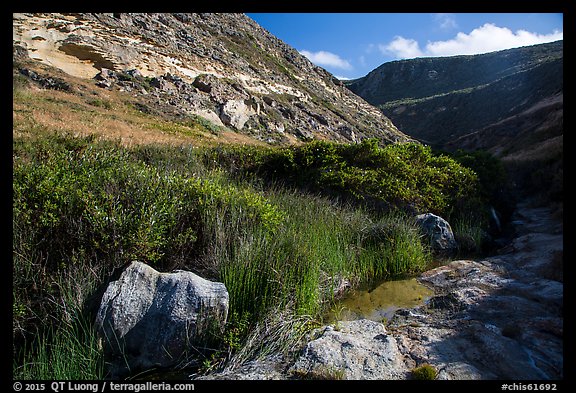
x: 149, y: 319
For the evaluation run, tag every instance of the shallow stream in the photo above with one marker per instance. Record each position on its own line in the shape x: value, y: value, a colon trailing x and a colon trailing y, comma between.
x: 380, y: 302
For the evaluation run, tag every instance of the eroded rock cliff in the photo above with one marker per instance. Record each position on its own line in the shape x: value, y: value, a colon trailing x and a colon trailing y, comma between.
x: 222, y: 67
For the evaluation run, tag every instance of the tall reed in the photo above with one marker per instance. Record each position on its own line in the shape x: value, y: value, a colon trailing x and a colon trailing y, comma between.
x: 68, y: 350
x: 319, y: 244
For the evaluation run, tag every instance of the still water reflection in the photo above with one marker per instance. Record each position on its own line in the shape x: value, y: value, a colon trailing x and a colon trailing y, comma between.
x: 382, y: 301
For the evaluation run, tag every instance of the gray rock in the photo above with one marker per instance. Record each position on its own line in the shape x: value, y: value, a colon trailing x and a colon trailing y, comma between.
x: 106, y: 78
x: 134, y: 73
x: 46, y: 82
x: 459, y: 371
x: 20, y: 52
x: 269, y: 368
x: 495, y: 318
x: 303, y: 134
x: 360, y: 349
x: 269, y: 101
x: 348, y: 133
x: 438, y: 231
x: 150, y: 319
x: 203, y: 83
x: 235, y: 113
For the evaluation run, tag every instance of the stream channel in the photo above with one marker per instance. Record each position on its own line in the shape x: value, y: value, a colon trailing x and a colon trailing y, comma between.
x: 376, y: 302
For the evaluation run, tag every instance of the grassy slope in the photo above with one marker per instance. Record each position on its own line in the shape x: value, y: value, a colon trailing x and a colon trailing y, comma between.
x: 98, y: 183
x: 112, y: 115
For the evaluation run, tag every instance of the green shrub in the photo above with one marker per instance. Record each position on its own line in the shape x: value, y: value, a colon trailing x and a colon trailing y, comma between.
x: 406, y: 176
x: 424, y: 372
x: 103, y: 201
x: 494, y: 185
x: 82, y: 203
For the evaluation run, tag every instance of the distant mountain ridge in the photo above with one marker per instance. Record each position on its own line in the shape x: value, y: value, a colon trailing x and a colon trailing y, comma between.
x: 442, y: 100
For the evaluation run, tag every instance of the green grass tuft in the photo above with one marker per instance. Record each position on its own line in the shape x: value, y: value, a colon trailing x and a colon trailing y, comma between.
x: 424, y: 372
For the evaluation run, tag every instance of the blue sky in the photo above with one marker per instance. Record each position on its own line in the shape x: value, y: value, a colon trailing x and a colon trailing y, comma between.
x: 353, y: 44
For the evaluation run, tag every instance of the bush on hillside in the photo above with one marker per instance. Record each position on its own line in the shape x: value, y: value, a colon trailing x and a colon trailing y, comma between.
x: 406, y: 176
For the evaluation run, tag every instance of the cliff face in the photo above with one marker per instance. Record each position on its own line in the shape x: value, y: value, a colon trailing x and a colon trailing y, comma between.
x: 440, y: 100
x: 224, y: 68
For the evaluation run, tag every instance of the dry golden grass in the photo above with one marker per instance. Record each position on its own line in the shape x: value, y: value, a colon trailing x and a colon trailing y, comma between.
x: 55, y: 111
x: 90, y: 110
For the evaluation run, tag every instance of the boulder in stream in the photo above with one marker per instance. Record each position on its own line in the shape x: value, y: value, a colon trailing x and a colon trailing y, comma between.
x: 439, y: 232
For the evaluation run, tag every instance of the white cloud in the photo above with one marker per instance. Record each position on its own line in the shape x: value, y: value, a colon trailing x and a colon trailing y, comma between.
x: 445, y: 21
x: 487, y: 38
x: 323, y: 58
x: 342, y: 78
x: 402, y: 48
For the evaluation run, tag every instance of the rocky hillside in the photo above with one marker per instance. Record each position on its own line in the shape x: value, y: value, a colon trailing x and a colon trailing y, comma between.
x: 223, y: 69
x: 483, y: 101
